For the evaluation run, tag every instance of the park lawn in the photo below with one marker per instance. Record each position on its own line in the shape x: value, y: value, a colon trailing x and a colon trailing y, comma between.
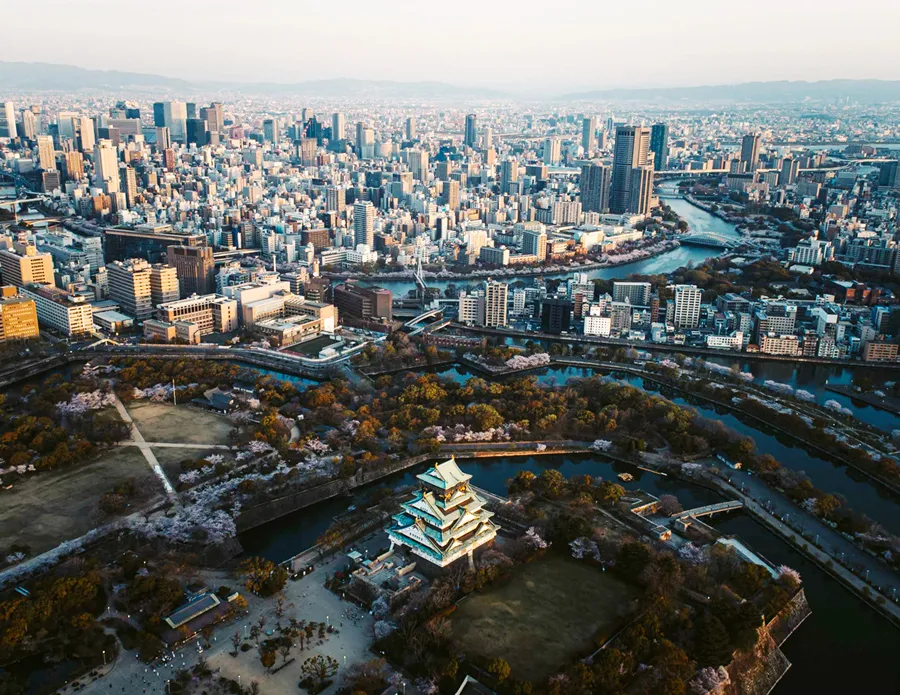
x: 549, y: 612
x: 44, y: 509
x: 161, y: 422
x: 170, y: 458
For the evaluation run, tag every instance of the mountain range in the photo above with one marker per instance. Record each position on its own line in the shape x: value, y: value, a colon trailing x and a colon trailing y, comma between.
x: 51, y: 76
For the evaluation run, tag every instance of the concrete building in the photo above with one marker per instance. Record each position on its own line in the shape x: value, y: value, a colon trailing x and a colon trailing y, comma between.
x: 164, y: 284
x: 495, y: 303
x: 638, y: 293
x: 18, y: 316
x: 130, y: 286
x: 364, y: 223
x: 57, y: 309
x: 211, y: 313
x: 24, y: 265
x: 196, y: 268
x: 687, y: 306
x: 363, y: 302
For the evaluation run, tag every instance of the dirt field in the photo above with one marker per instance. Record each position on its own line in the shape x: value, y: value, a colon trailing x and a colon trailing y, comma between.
x: 545, y: 615
x: 159, y: 422
x: 49, y: 508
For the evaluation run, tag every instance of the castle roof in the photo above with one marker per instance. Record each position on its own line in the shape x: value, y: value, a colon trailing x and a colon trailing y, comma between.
x: 444, y: 475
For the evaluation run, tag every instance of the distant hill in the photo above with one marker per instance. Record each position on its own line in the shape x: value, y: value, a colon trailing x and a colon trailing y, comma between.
x: 867, y: 91
x: 50, y: 76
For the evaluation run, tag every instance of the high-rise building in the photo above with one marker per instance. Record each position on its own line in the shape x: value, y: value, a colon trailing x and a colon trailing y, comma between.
x: 364, y: 223
x: 495, y: 299
x: 750, y: 152
x: 7, y: 120
x: 335, y: 199
x: 471, y: 134
x: 23, y: 265
x: 411, y: 131
x: 214, y: 117
x: 595, y: 183
x: 128, y: 184
x: 631, y: 152
x: 74, y: 166
x: 687, y: 306
x: 175, y: 113
x: 163, y: 284
x: 552, y: 151
x: 197, y: 131
x: 196, y: 268
x: 534, y: 241
x: 163, y: 138
x: 641, y: 190
x: 556, y: 315
x: 271, y: 131
x: 46, y: 152
x: 589, y: 134
x: 129, y: 285
x: 418, y: 164
x: 659, y: 145
x: 790, y: 169
x: 106, y: 166
x: 29, y: 125
x: 363, y: 302
x: 18, y: 316
x: 637, y: 293
x: 509, y: 173
x: 338, y: 126
x: 450, y: 196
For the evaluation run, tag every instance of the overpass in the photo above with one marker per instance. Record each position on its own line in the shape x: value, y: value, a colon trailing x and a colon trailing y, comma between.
x: 431, y: 313
x: 710, y: 509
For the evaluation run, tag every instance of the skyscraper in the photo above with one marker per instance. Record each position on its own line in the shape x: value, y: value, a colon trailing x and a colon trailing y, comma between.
x: 196, y: 268
x: 46, y: 152
x: 418, y: 164
x: 128, y: 184
x: 509, y: 173
x: 750, y: 152
x: 338, y: 125
x: 659, y: 145
x: 589, y: 133
x: 471, y: 136
x: 595, y: 182
x: 450, y: 195
x: 214, y: 117
x: 29, y: 125
x: 106, y: 166
x: 271, y: 131
x: 687, y: 306
x: 172, y: 115
x: 631, y: 151
x: 552, y: 151
x: 163, y: 138
x: 495, y: 298
x: 364, y: 223
x: 7, y: 120
x: 790, y: 168
x: 335, y: 198
x: 411, y: 131
x: 129, y: 285
x: 641, y: 190
x: 197, y: 131
x: 534, y: 241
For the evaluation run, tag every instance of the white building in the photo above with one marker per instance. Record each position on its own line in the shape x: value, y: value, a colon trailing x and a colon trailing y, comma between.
x: 687, y: 306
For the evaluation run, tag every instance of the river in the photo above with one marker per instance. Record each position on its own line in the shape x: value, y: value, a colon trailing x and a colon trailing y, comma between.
x: 698, y: 220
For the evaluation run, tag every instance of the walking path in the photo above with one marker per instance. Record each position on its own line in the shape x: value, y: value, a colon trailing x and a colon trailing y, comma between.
x: 140, y: 443
x: 177, y: 445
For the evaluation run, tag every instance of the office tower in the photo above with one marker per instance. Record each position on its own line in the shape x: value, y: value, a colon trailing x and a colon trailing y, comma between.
x: 790, y: 169
x: 418, y: 164
x: 163, y: 138
x: 23, y: 265
x: 159, y: 114
x: 364, y: 223
x: 197, y: 132
x: 411, y: 131
x: 556, y: 315
x: 309, y: 148
x: 365, y: 141
x: 213, y: 116
x: 595, y: 183
x: 509, y: 173
x: 450, y: 196
x: 641, y: 190
x: 128, y: 184
x: 163, y: 284
x: 589, y: 134
x: 50, y: 181
x: 363, y: 302
x: 65, y: 125
x: 335, y: 199
x: 270, y: 130
x: 129, y: 285
x: 7, y: 120
x: 487, y: 138
x: 338, y: 125
x: 195, y: 268
x: 632, y: 151
x: 471, y: 135
x: 18, y: 316
x: 495, y: 299
x: 106, y: 166
x: 171, y: 115
x: 750, y: 152
x: 29, y: 125
x: 46, y: 152
x: 687, y: 306
x: 443, y: 169
x: 659, y: 146
x: 552, y: 151
x: 534, y: 241
x: 191, y: 109
x: 74, y: 166
x: 637, y: 293
x: 84, y: 134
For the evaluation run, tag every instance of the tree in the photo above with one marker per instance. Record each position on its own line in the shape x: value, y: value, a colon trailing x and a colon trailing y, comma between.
x: 317, y: 669
x: 609, y: 493
x: 263, y: 577
x: 499, y: 669
x: 285, y: 648
x: 712, y: 644
x: 669, y: 505
x: 267, y: 658
x: 827, y: 505
x: 235, y: 642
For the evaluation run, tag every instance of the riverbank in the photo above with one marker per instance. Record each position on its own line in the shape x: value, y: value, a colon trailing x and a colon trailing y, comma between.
x: 887, y: 403
x: 636, y: 256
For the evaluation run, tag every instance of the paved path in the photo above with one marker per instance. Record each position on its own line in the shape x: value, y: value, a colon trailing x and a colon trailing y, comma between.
x: 138, y: 441
x: 177, y: 445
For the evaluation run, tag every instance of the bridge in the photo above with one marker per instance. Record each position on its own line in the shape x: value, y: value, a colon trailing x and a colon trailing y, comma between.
x: 412, y: 323
x: 16, y: 203
x: 710, y: 509
x: 710, y: 239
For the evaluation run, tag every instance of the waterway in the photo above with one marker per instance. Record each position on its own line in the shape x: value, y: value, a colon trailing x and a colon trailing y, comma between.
x: 698, y: 220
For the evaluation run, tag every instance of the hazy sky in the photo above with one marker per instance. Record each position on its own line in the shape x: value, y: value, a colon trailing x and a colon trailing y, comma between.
x: 518, y: 44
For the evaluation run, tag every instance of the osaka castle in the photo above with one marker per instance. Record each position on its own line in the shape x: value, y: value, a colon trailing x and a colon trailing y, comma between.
x: 444, y: 521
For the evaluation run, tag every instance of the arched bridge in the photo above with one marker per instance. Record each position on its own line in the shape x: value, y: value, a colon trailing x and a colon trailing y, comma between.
x: 711, y: 239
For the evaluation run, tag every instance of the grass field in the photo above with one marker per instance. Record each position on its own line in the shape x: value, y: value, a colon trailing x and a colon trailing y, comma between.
x: 159, y: 422
x: 549, y: 612
x: 170, y: 458
x: 48, y: 508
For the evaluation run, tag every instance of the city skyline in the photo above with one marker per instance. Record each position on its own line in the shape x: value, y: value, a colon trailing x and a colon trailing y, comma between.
x: 273, y: 54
